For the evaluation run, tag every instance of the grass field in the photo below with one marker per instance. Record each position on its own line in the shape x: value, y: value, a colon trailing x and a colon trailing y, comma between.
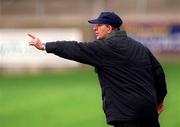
x: 70, y: 98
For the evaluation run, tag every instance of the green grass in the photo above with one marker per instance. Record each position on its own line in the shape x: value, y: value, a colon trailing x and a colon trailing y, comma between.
x: 65, y: 99
x: 71, y: 98
x: 171, y: 115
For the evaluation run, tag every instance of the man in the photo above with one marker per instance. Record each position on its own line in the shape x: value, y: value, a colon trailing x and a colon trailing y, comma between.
x: 132, y: 80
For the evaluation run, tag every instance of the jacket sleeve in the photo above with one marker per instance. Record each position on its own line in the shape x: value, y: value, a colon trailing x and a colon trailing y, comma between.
x: 159, y: 79
x: 87, y: 52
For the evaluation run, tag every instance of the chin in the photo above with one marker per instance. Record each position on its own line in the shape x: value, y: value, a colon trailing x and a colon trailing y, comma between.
x: 99, y: 38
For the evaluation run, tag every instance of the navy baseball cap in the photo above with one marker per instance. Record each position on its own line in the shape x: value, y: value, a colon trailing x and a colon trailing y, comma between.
x: 109, y: 18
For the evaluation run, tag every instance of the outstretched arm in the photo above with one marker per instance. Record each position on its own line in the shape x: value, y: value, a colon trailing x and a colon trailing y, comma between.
x: 91, y: 53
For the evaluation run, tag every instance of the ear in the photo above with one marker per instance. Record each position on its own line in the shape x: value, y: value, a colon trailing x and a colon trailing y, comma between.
x: 110, y: 29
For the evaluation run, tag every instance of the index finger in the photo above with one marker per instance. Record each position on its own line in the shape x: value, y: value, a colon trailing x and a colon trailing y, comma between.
x: 32, y: 36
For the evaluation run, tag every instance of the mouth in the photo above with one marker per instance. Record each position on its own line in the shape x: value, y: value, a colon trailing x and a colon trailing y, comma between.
x: 97, y: 34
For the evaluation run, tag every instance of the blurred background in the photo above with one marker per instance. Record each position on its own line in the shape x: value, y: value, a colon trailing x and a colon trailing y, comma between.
x: 39, y: 89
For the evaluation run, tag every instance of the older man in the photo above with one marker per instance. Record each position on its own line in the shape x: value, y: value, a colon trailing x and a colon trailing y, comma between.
x: 132, y: 80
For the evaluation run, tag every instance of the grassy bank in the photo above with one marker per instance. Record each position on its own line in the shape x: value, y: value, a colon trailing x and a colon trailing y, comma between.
x: 70, y: 98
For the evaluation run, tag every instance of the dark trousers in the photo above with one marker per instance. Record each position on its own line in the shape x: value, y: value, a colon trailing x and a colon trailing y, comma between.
x: 137, y: 124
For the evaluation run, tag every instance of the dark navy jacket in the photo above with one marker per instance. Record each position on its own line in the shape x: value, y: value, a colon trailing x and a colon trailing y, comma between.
x: 132, y: 80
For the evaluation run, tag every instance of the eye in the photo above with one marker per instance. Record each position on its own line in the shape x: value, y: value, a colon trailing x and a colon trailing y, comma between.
x: 98, y: 25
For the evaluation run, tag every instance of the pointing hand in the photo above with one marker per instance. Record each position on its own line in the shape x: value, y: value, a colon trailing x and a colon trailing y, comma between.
x: 36, y: 42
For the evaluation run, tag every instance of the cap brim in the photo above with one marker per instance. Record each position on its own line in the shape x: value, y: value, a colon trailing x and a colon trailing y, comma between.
x: 95, y: 21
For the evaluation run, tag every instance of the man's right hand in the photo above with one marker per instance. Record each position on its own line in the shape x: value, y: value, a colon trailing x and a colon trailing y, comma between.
x: 160, y: 108
x: 36, y: 42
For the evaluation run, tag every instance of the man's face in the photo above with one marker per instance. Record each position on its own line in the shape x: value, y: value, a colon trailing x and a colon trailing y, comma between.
x: 102, y: 30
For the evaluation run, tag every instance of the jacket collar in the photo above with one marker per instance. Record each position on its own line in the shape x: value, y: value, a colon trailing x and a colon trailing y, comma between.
x: 116, y: 33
